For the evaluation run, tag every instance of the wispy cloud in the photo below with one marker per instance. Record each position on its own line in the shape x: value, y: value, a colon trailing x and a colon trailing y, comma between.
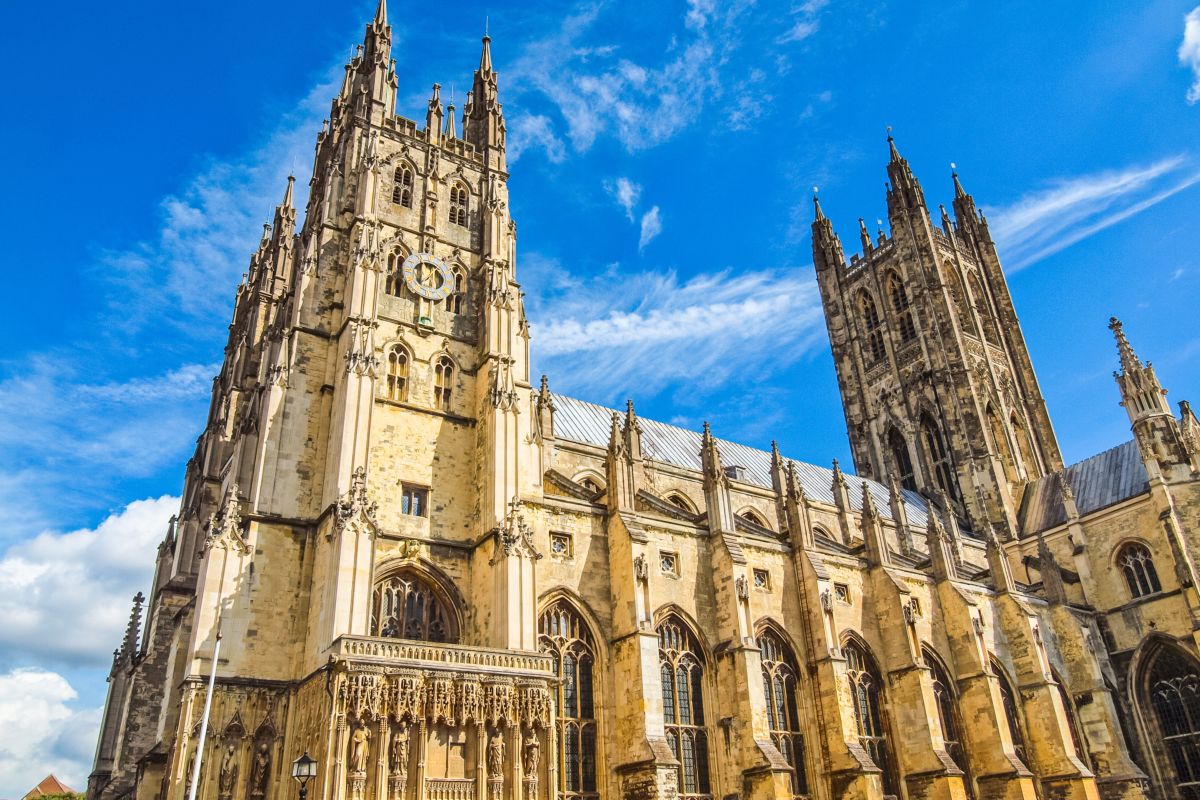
x: 651, y: 227
x: 806, y: 19
x: 1189, y: 51
x: 1069, y: 210
x: 626, y: 193
x: 209, y: 227
x: 529, y: 131
x: 617, y: 331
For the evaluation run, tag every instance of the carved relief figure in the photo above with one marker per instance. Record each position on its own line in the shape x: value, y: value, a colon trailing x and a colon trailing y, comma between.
x: 533, y: 754
x: 227, y: 777
x: 400, y: 750
x: 261, y: 770
x: 359, y: 748
x: 495, y: 755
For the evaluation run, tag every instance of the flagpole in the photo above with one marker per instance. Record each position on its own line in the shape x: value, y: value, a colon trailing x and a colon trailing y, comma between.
x: 212, y: 680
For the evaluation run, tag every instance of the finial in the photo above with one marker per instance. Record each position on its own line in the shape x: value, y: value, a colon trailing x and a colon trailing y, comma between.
x: 892, y: 145
x: 545, y: 384
x: 959, y: 191
x: 817, y: 204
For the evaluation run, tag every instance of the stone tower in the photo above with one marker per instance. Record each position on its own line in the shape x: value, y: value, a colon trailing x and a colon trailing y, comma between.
x: 936, y: 380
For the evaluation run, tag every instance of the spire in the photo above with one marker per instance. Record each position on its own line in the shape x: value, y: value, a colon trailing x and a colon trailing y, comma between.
x: 1129, y: 360
x: 905, y: 193
x: 964, y: 205
x: 864, y: 235
x: 545, y: 409
x: 381, y: 13
x: 371, y: 76
x: 451, y: 132
x: 820, y: 215
x: 941, y: 549
x: 632, y: 430
x: 433, y: 113
x: 877, y: 551
x: 827, y: 247
x: 483, y: 117
x: 1002, y: 579
x: 899, y: 513
x: 1052, y: 579
x: 129, y: 645
x: 959, y: 191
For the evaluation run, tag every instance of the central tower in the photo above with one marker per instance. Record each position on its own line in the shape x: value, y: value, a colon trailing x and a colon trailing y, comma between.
x: 936, y: 381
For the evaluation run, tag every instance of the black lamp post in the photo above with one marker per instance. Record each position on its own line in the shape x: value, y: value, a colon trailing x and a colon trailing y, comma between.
x: 304, y: 769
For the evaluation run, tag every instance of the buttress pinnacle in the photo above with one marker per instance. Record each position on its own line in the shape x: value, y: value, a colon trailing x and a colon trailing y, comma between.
x: 1129, y: 360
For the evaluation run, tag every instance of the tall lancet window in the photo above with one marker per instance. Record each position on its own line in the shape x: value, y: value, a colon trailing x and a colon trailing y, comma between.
x: 402, y: 186
x: 1012, y: 713
x: 443, y: 382
x: 865, y: 687
x: 681, y: 663
x: 991, y: 329
x: 459, y: 198
x: 397, y: 373
x: 395, y: 278
x: 1171, y: 702
x: 454, y: 302
x: 902, y: 459
x: 939, y: 458
x: 780, y: 687
x: 946, y: 695
x: 563, y: 634
x: 407, y: 605
x: 871, y: 327
x: 900, y: 307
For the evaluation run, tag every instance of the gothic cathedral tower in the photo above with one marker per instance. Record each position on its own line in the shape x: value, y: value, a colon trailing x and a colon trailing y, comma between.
x: 936, y: 381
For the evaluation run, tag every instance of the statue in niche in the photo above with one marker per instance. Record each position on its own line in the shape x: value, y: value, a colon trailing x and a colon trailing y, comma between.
x: 359, y: 748
x: 400, y: 749
x: 227, y: 777
x: 533, y: 754
x: 261, y: 770
x: 495, y: 756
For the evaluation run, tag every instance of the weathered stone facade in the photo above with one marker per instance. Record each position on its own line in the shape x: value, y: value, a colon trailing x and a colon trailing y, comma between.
x: 444, y: 582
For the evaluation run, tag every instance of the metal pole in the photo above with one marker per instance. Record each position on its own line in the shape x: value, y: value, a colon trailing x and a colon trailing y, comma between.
x: 212, y: 680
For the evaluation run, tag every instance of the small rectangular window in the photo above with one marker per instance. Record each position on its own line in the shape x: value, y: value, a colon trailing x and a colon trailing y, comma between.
x: 414, y: 501
x: 561, y: 545
x: 669, y: 563
x: 762, y: 580
x: 842, y: 592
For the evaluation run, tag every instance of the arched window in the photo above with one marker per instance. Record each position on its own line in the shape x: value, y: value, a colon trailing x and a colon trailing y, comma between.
x: 1024, y: 444
x: 780, y: 681
x: 680, y: 502
x: 402, y: 186
x: 395, y: 279
x: 443, y: 382
x: 939, y: 458
x: 407, y: 605
x: 458, y: 205
x: 990, y: 329
x: 958, y: 293
x: 563, y: 634
x: 870, y: 320
x: 865, y: 686
x: 397, y: 373
x: 753, y: 518
x: 455, y: 302
x: 681, y: 663
x: 951, y: 724
x: 1137, y: 564
x: 1072, y: 719
x: 902, y: 459
x: 590, y: 483
x: 900, y: 307
x: 1002, y: 445
x: 1171, y: 702
x: 1012, y: 713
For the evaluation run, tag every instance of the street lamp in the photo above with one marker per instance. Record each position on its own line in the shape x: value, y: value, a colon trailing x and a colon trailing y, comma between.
x: 304, y: 769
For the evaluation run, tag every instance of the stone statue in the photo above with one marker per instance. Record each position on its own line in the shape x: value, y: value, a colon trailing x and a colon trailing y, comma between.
x: 533, y: 754
x: 400, y: 750
x: 495, y: 756
x: 358, y: 749
x: 261, y: 771
x: 227, y: 777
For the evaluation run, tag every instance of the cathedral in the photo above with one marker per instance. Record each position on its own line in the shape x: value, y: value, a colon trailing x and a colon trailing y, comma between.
x: 400, y: 554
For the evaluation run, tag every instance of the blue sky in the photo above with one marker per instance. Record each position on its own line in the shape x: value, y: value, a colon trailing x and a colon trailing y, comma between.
x: 662, y: 163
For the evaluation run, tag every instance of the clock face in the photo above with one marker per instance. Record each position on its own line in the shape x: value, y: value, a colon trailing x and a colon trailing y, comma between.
x: 427, y: 276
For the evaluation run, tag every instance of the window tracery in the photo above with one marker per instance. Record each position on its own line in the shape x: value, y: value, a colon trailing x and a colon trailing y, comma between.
x: 780, y: 686
x: 402, y: 186
x: 951, y: 723
x: 566, y: 637
x: 458, y: 205
x: 865, y: 683
x: 454, y: 303
x: 406, y: 605
x: 443, y: 382
x: 681, y: 663
x: 901, y: 307
x: 939, y: 458
x: 1137, y: 564
x: 902, y: 459
x: 394, y: 282
x: 397, y: 373
x: 871, y: 325
x: 1171, y: 692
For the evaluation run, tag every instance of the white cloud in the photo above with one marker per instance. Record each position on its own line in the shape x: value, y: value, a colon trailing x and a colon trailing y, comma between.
x: 65, y: 597
x: 651, y: 227
x: 1045, y: 221
x: 805, y: 21
x: 626, y: 193
x: 1189, y: 51
x: 615, y: 332
x: 41, y: 734
x: 529, y: 131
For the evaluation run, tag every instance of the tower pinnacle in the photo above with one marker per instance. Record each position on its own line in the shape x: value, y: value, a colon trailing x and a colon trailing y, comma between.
x: 1130, y: 363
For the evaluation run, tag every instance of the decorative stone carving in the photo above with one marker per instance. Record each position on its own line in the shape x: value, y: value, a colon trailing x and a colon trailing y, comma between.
x: 742, y: 587
x: 355, y: 510
x: 260, y: 773
x: 225, y: 526
x: 495, y: 757
x: 359, y: 748
x: 227, y: 775
x: 641, y: 572
x: 514, y: 537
